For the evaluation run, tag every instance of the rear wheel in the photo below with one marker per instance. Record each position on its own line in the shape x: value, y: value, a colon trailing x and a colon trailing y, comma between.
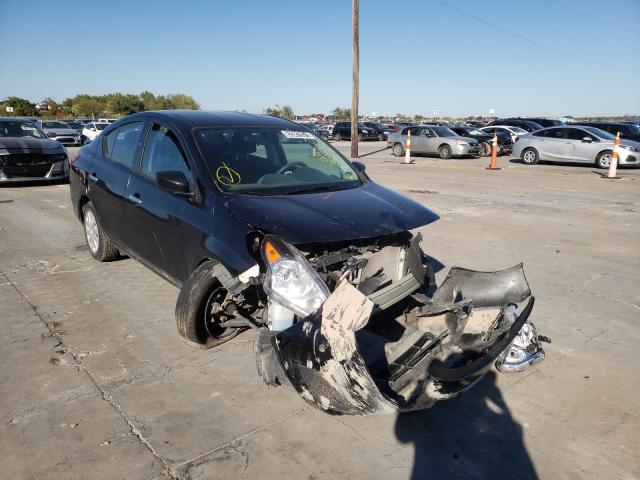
x: 337, y: 137
x: 381, y: 137
x: 398, y: 150
x: 198, y: 309
x: 99, y: 245
x: 486, y: 149
x: 530, y: 156
x: 445, y: 152
x: 603, y: 160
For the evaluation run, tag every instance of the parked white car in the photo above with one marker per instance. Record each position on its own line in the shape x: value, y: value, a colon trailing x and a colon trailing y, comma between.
x: 514, y: 131
x: 92, y: 130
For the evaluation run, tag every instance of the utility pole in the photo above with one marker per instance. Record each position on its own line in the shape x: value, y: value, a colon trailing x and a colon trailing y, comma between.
x: 355, y: 80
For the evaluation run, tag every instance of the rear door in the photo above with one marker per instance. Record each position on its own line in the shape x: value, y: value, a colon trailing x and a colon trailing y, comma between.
x: 109, y: 175
x: 552, y: 144
x: 419, y: 136
x: 169, y: 226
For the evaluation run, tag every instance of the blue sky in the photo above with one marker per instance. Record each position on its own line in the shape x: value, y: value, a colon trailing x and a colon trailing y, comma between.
x: 542, y: 57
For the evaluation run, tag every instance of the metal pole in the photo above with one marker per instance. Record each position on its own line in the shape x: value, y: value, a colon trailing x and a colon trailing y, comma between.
x: 355, y: 80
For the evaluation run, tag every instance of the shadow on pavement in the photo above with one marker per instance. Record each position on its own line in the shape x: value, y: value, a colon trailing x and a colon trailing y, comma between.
x: 470, y: 436
x: 373, y: 153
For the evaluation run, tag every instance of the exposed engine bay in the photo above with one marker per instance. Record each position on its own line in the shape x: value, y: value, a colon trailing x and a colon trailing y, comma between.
x: 361, y: 328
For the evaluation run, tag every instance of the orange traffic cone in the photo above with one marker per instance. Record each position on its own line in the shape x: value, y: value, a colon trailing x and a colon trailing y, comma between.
x: 494, y: 153
x: 613, y: 166
x: 407, y: 149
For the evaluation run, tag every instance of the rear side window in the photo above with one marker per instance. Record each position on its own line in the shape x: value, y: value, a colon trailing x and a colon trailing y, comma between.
x: 163, y: 153
x: 120, y: 145
x: 551, y: 133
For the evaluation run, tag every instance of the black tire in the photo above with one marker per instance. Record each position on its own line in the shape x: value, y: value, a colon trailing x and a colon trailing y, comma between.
x: 486, y: 149
x: 104, y: 251
x: 360, y: 137
x: 191, y: 309
x: 381, y: 137
x: 530, y: 156
x: 398, y: 150
x: 337, y: 137
x: 603, y: 160
x: 445, y: 152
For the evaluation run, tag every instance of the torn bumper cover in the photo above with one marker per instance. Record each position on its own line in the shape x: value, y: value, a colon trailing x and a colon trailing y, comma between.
x: 341, y: 362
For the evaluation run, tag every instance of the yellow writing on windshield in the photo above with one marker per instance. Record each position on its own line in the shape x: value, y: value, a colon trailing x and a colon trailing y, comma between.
x: 227, y: 175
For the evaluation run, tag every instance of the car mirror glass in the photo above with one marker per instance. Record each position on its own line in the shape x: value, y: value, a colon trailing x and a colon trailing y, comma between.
x: 361, y: 167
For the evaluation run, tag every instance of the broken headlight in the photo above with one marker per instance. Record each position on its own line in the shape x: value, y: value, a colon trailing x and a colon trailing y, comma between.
x: 290, y: 280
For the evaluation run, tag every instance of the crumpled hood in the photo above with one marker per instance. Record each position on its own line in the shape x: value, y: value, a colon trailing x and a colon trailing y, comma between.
x: 364, y: 212
x: 27, y: 145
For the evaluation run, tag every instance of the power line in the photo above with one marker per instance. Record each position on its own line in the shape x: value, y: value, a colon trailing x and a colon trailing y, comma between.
x: 593, y: 17
x: 539, y: 44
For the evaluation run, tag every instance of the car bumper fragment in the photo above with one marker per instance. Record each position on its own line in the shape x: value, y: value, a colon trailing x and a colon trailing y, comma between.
x: 338, y: 365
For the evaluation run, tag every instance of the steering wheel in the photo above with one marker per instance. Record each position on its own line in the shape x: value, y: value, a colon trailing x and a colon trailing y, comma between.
x: 289, y: 167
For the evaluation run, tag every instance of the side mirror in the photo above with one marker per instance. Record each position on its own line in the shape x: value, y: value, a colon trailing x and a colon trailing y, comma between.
x: 173, y: 181
x: 361, y: 167
x: 51, y: 134
x: 587, y: 139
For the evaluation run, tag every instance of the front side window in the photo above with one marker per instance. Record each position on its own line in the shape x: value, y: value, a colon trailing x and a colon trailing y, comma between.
x: 576, y: 134
x: 162, y: 153
x: 121, y: 144
x: 550, y: 133
x: 272, y: 161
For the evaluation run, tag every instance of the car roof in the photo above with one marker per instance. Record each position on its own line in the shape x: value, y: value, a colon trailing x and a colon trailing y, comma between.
x: 203, y: 118
x: 600, y: 123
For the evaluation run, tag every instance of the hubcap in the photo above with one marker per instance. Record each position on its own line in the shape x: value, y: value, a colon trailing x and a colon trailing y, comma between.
x: 605, y: 160
x: 529, y: 157
x: 91, y: 231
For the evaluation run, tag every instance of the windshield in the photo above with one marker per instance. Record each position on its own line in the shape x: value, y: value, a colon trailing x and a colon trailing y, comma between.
x: 101, y: 126
x: 272, y: 161
x: 20, y: 129
x: 444, y: 132
x: 54, y: 125
x: 599, y: 133
x: 473, y: 131
x: 635, y: 129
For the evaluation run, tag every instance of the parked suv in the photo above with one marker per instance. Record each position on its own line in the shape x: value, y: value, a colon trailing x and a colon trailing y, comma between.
x: 342, y: 131
x: 627, y: 131
x: 382, y: 129
x: 517, y: 122
x: 263, y: 225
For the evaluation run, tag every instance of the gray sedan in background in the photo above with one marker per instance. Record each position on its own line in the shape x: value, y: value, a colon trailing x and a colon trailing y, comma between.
x: 59, y: 131
x: 433, y: 139
x: 574, y: 144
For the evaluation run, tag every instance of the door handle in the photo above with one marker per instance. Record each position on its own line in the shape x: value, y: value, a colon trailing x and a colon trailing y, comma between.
x: 93, y: 178
x: 135, y: 198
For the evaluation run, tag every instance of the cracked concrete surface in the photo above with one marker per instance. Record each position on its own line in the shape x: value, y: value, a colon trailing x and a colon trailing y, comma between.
x: 97, y: 384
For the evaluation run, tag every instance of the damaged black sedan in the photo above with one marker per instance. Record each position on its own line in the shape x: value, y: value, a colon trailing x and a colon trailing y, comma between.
x: 263, y: 225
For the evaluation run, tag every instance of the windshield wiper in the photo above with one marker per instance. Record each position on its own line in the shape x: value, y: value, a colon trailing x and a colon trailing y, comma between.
x: 313, y: 189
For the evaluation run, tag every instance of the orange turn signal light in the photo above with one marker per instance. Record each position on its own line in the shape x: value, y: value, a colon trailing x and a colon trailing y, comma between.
x: 271, y: 253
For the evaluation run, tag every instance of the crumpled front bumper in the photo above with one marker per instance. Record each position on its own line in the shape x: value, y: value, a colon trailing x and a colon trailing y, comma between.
x: 457, y: 334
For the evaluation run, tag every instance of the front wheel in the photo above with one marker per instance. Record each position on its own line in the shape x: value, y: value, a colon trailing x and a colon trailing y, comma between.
x: 530, y: 156
x: 198, y: 312
x: 486, y: 149
x: 398, y: 150
x: 445, y: 152
x: 99, y: 245
x: 603, y: 160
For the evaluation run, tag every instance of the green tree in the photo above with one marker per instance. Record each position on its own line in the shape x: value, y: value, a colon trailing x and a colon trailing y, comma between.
x: 180, y: 101
x: 341, y: 114
x: 21, y: 107
x: 119, y: 104
x: 89, y: 106
x: 283, y: 112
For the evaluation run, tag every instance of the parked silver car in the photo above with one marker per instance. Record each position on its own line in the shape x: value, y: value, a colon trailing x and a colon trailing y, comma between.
x: 574, y: 144
x: 433, y: 139
x: 59, y: 131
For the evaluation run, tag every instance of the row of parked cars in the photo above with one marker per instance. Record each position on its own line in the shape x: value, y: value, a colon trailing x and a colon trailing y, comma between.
x: 74, y: 132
